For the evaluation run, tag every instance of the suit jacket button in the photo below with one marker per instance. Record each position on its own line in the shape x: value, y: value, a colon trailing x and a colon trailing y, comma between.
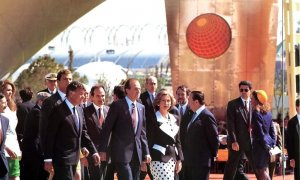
x: 167, y: 145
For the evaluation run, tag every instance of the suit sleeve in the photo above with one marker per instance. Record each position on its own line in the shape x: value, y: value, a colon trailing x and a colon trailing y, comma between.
x: 143, y: 137
x: 178, y: 142
x: 291, y: 139
x: 231, y: 122
x: 85, y: 138
x: 272, y: 134
x: 52, y: 129
x: 43, y: 123
x: 21, y: 115
x: 212, y: 134
x: 109, y: 122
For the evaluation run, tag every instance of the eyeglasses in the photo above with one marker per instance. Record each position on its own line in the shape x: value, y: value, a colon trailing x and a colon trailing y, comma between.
x: 245, y: 90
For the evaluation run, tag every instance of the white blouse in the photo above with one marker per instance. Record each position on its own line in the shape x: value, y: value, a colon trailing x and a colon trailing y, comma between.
x: 11, y: 135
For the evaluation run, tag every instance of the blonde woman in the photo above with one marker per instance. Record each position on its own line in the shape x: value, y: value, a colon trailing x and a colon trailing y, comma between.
x: 263, y: 133
x: 164, y: 143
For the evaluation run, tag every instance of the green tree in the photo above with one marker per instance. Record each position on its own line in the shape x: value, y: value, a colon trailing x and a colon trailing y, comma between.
x: 34, y: 76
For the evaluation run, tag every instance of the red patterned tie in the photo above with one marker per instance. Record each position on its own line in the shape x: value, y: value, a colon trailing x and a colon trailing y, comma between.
x: 101, y: 118
x: 133, y: 115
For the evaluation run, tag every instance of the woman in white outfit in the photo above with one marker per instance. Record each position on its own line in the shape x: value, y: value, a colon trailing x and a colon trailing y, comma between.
x: 164, y: 143
x: 11, y: 144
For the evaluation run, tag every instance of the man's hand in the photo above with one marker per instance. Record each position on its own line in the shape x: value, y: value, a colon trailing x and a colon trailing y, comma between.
x: 96, y: 159
x: 48, y: 167
x: 147, y: 158
x: 102, y: 156
x: 178, y: 166
x: 235, y: 146
x: 85, y: 152
x: 144, y: 167
x: 292, y: 163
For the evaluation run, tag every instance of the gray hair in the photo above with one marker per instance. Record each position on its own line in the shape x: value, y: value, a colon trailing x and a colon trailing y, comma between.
x: 42, y: 96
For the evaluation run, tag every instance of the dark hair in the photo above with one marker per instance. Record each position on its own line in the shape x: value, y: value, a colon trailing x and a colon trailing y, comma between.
x: 297, y: 102
x: 26, y: 94
x: 73, y: 86
x: 127, y: 83
x: 96, y: 87
x: 63, y: 72
x: 184, y: 88
x: 159, y: 96
x: 246, y: 83
x: 119, y: 91
x: 198, y: 95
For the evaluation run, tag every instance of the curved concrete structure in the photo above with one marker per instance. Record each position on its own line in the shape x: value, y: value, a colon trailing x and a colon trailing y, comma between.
x: 26, y: 26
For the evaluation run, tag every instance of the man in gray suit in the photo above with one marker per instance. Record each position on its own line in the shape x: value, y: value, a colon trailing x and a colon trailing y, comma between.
x: 126, y: 124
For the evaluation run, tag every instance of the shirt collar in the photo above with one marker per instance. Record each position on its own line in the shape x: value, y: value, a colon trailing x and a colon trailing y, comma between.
x: 70, y: 105
x: 200, y: 110
x: 298, y: 117
x: 97, y: 107
x: 183, y: 106
x: 62, y: 95
x: 129, y: 102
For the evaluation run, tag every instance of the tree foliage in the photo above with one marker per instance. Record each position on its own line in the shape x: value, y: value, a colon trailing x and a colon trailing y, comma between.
x: 34, y: 76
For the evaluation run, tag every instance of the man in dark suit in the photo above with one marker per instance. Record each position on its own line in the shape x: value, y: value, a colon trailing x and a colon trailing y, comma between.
x: 126, y: 123
x: 3, y: 128
x: 201, y: 140
x: 293, y: 141
x: 147, y: 99
x: 51, y: 83
x: 64, y: 77
x: 239, y: 133
x: 95, y: 115
x: 22, y: 111
x: 32, y: 158
x: 182, y: 95
x: 67, y: 135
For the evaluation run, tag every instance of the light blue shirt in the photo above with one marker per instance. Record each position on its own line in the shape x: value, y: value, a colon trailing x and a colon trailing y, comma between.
x: 129, y: 102
x: 71, y: 106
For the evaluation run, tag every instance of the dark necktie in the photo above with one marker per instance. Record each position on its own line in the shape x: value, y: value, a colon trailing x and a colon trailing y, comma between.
x: 133, y: 115
x: 101, y: 118
x: 181, y: 111
x: 248, y: 116
x: 76, y: 118
x: 246, y: 106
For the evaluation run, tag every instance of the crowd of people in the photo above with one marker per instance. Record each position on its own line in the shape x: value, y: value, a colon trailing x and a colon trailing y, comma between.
x: 70, y: 132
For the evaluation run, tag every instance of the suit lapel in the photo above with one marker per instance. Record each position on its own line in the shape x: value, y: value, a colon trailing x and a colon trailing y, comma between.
x: 140, y: 116
x: 69, y: 115
x: 243, y: 110
x: 80, y: 119
x: 95, y: 115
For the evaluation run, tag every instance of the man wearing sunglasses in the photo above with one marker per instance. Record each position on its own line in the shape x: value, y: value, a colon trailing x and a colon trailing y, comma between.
x: 239, y: 133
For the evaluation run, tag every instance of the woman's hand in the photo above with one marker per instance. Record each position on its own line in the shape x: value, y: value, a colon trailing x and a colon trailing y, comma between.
x: 11, y: 153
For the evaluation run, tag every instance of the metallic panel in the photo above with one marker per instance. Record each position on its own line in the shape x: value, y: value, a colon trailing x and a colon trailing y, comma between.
x: 251, y: 55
